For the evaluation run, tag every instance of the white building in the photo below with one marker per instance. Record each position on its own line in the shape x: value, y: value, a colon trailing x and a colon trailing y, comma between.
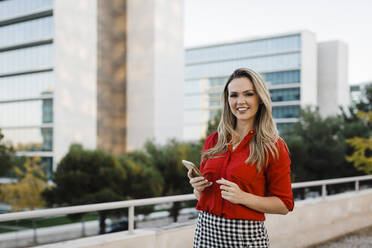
x: 102, y: 74
x: 288, y: 62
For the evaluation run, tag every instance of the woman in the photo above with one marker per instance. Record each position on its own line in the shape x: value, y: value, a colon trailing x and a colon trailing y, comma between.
x: 246, y: 169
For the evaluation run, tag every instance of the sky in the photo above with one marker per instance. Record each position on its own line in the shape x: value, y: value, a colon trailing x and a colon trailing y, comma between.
x: 350, y: 21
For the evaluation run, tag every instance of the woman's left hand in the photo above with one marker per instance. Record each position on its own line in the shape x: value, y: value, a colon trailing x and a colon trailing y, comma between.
x: 230, y: 191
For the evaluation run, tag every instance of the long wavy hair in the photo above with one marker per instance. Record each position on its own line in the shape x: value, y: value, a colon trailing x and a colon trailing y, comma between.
x: 266, y: 135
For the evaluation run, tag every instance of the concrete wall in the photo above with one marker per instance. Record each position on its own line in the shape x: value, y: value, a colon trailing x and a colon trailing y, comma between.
x: 308, y: 69
x: 169, y: 70
x: 312, y: 221
x: 75, y: 104
x: 155, y: 71
x: 333, y: 84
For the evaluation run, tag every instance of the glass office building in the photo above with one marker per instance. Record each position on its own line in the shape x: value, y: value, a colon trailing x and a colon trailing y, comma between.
x: 26, y: 77
x: 69, y: 74
x: 285, y: 62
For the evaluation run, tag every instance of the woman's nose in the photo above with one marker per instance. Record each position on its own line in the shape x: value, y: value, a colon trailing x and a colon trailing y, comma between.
x: 240, y: 100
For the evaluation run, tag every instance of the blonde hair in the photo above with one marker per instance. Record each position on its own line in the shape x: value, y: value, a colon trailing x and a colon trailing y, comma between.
x: 263, y: 142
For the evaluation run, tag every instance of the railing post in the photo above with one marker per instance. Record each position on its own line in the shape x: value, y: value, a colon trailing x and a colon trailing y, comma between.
x: 324, y: 191
x: 356, y: 185
x: 82, y: 226
x: 131, y: 219
x: 34, y: 228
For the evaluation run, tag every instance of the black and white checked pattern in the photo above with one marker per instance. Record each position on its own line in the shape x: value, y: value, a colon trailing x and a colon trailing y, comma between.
x: 217, y: 232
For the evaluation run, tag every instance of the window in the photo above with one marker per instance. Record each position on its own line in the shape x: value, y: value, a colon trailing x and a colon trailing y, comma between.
x: 25, y: 32
x: 286, y: 111
x: 26, y: 59
x: 9, y: 9
x: 283, y: 77
x: 25, y: 86
x: 30, y: 139
x: 27, y: 113
x: 279, y: 95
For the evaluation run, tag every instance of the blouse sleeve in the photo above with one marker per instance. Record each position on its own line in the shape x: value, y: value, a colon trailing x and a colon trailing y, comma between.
x: 278, y: 175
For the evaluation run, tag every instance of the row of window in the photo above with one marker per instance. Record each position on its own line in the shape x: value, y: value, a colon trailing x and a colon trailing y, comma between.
x: 26, y: 59
x: 14, y: 8
x: 26, y: 113
x: 25, y: 86
x: 286, y: 111
x: 272, y: 78
x: 282, y: 77
x: 243, y: 49
x: 25, y: 32
x: 200, y: 101
x: 269, y: 63
x: 279, y: 95
x: 30, y: 139
x: 203, y: 115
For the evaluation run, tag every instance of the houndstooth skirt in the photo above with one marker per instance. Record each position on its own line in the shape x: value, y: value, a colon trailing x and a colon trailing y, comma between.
x: 217, y: 232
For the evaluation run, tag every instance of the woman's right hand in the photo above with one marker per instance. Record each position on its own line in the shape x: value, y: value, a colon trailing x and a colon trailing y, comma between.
x: 198, y: 183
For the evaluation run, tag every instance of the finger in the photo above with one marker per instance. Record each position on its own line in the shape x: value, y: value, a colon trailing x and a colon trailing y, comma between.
x: 201, y: 184
x: 224, y: 187
x: 198, y: 179
x: 189, y: 173
x: 201, y: 188
x: 225, y: 182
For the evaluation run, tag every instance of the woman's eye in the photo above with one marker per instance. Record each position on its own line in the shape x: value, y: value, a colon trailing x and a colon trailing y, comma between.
x: 233, y: 95
x: 249, y: 94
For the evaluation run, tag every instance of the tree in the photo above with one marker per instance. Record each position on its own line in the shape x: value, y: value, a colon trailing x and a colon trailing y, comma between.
x: 6, y: 157
x: 143, y: 179
x: 318, y: 146
x: 167, y: 159
x: 26, y: 194
x: 362, y: 155
x: 87, y: 177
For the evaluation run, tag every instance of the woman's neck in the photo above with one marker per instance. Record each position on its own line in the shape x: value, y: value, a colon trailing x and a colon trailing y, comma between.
x: 242, y: 128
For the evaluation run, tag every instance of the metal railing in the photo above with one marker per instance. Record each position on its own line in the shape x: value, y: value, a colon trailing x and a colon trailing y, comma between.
x: 131, y: 204
x: 324, y: 183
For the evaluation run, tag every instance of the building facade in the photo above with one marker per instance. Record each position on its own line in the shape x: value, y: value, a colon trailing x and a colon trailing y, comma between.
x: 89, y: 72
x: 289, y: 64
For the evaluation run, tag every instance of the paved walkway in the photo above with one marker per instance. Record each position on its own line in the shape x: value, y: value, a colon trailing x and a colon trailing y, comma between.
x: 359, y: 239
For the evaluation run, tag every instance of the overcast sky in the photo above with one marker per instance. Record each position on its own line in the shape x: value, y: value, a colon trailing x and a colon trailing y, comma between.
x: 211, y: 21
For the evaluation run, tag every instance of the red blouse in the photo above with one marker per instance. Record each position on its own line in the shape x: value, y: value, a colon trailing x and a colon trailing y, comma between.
x: 273, y: 180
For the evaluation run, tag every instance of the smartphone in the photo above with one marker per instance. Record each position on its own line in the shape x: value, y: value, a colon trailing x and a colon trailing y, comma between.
x: 195, y: 170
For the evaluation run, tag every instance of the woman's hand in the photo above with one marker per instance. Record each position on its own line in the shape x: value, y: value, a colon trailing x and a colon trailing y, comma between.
x: 198, y: 183
x: 230, y: 191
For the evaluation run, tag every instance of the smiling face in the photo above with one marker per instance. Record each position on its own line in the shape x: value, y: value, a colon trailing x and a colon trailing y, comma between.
x: 243, y: 100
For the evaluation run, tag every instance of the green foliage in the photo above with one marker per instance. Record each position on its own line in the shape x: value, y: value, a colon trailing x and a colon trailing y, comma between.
x: 318, y: 146
x: 167, y: 160
x: 143, y: 179
x: 362, y: 156
x: 6, y: 157
x: 86, y: 177
x: 26, y: 193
